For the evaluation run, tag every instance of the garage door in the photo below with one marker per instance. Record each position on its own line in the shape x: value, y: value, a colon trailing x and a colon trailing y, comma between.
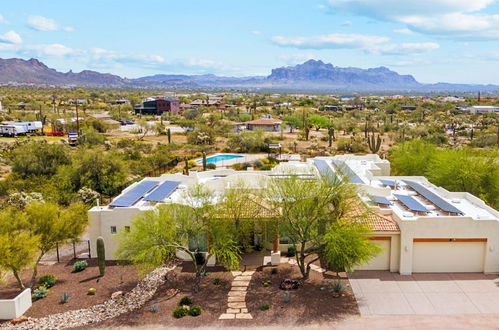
x: 382, y: 260
x: 445, y: 256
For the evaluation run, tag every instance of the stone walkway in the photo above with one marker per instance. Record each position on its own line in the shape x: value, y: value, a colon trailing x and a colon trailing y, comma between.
x: 237, y: 297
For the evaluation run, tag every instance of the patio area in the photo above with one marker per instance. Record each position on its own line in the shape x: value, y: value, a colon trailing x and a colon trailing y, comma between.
x: 385, y: 293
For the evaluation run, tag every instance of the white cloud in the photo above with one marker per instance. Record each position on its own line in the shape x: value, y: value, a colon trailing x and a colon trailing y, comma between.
x: 404, y: 48
x: 40, y: 23
x: 256, y: 32
x: 11, y: 37
x: 3, y: 20
x: 442, y: 18
x: 330, y: 41
x: 404, y: 31
x: 296, y: 58
x: 346, y: 23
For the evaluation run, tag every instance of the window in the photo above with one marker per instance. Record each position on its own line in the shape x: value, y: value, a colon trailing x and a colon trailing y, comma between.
x: 113, y: 230
x: 127, y: 229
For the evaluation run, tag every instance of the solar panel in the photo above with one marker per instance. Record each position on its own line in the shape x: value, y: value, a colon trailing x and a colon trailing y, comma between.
x: 347, y: 171
x: 389, y: 183
x: 411, y: 203
x: 380, y: 200
x: 324, y: 169
x: 162, y: 191
x: 434, y: 198
x: 131, y: 197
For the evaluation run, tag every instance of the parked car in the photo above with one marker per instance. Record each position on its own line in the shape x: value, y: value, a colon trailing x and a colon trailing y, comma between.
x: 55, y: 133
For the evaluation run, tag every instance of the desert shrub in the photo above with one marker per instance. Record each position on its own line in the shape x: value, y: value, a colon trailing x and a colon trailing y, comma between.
x: 179, y: 312
x: 64, y: 298
x: 266, y: 283
x: 185, y: 301
x: 291, y: 251
x: 40, y: 293
x: 92, y: 291
x: 79, y: 266
x: 211, y: 166
x: 217, y: 281
x: 154, y: 308
x: 264, y: 307
x: 47, y: 281
x: 195, y: 310
x: 337, y: 287
x: 257, y: 163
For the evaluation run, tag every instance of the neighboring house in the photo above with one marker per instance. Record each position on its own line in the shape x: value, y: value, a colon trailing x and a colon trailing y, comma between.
x: 408, y: 107
x: 158, y: 106
x: 422, y: 228
x: 266, y: 124
x: 332, y: 108
x: 479, y: 109
x: 206, y: 102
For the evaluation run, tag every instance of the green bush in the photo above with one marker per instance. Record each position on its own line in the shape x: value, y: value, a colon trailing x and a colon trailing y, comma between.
x: 47, y: 281
x: 91, y: 291
x: 40, y: 293
x: 179, y: 312
x: 185, y: 301
x: 195, y: 310
x: 291, y: 251
x: 264, y: 307
x: 79, y: 266
x: 211, y: 166
x: 217, y: 281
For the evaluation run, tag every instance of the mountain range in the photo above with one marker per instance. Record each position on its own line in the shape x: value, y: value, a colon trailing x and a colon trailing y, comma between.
x: 313, y: 75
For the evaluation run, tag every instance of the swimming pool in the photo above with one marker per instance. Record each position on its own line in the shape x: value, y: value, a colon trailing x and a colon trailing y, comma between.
x: 219, y: 158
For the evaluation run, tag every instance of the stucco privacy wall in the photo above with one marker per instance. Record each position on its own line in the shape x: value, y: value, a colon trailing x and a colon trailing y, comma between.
x: 13, y: 308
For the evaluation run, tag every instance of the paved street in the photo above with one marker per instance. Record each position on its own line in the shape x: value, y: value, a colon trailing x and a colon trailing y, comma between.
x: 385, y: 293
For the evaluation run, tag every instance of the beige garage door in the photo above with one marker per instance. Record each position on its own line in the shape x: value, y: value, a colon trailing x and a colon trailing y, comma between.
x: 382, y: 260
x: 448, y: 257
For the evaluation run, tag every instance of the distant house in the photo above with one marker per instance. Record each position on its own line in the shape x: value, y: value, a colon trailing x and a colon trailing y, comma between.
x: 206, y: 103
x: 266, y: 124
x: 158, y: 106
x: 479, y: 109
x: 332, y: 108
x: 408, y: 107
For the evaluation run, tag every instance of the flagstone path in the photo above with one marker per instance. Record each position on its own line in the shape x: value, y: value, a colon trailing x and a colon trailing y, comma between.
x: 236, y: 300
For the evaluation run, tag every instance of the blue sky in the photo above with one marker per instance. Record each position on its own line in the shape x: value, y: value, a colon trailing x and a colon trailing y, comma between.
x: 435, y: 40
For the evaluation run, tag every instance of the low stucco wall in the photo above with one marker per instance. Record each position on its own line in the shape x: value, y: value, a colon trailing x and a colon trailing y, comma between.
x: 13, y: 308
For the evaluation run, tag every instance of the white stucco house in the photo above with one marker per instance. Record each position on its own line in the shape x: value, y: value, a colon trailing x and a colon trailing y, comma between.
x: 421, y: 227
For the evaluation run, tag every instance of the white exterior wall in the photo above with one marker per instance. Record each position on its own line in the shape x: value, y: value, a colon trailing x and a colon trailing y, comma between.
x: 101, y: 220
x: 13, y: 308
x: 448, y: 227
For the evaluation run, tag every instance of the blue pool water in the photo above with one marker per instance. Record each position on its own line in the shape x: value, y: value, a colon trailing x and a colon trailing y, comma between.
x: 219, y: 158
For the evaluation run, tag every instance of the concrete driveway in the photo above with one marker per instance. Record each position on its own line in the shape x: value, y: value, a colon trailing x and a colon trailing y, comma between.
x: 385, y: 293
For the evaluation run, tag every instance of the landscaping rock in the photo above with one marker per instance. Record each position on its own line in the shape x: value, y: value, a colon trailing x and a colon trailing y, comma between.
x: 116, y: 294
x: 123, y: 303
x: 288, y: 284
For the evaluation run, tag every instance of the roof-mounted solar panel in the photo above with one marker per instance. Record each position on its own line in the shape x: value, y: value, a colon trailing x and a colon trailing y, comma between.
x: 133, y: 195
x: 346, y: 171
x: 380, y: 200
x: 324, y: 168
x: 389, y: 183
x: 411, y: 203
x: 432, y: 197
x: 162, y: 191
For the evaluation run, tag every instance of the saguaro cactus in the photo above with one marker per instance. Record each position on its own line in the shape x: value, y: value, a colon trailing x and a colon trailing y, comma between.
x: 186, y: 168
x: 169, y: 134
x: 330, y: 133
x: 374, y: 143
x: 204, y: 161
x: 101, y: 256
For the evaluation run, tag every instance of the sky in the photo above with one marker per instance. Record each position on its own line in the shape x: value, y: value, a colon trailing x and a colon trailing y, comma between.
x: 434, y: 40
